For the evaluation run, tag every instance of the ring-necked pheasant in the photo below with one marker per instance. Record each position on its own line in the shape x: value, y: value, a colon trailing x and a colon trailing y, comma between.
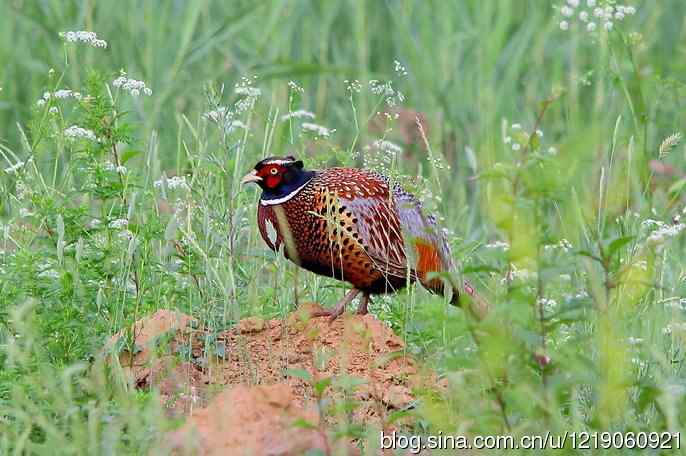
x: 351, y: 224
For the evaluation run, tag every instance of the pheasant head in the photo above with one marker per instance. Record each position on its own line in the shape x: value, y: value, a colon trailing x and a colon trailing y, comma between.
x: 279, y: 177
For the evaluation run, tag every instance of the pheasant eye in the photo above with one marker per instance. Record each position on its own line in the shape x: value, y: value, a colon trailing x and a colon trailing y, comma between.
x: 274, y: 171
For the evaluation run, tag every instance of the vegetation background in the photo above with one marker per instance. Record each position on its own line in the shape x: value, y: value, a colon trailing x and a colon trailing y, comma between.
x: 550, y: 150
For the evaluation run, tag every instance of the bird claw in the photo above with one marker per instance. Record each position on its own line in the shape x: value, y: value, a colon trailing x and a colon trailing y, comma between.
x: 332, y: 314
x: 340, y: 307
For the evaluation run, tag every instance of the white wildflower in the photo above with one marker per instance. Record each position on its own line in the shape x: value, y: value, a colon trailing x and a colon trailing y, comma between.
x: 591, y: 26
x: 109, y: 166
x: 386, y: 90
x: 94, y: 223
x: 564, y: 25
x: 317, y: 129
x: 674, y: 327
x: 498, y: 245
x: 630, y: 10
x: 133, y: 86
x: 507, y: 140
x: 661, y: 234
x: 125, y: 234
x: 590, y: 3
x: 634, y: 340
x: 245, y: 91
x: 399, y: 68
x: 173, y: 183
x: 294, y: 86
x: 353, y: 86
x: 539, y: 133
x: 49, y: 274
x: 608, y: 26
x: 548, y: 305
x: 14, y: 168
x: 516, y: 146
x: 74, y: 132
x: 118, y: 224
x: 82, y: 36
x: 66, y: 93
x: 516, y: 126
x: 40, y: 103
x: 583, y: 16
x: 566, y: 11
x: 552, y: 151
x: 387, y: 146
x: 219, y: 114
x: 522, y: 274
x: 299, y: 114
x: 651, y: 222
x: 676, y: 304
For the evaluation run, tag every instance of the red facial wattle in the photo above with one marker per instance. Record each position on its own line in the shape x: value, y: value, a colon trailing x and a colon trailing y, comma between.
x: 272, y: 180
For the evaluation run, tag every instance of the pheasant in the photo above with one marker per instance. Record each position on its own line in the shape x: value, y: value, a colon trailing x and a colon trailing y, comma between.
x: 350, y: 224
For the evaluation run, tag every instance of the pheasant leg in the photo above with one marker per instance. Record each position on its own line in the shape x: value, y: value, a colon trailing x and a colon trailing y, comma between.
x: 362, y: 307
x: 340, y: 306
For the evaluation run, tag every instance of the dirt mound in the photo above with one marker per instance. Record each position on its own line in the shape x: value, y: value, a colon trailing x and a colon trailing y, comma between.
x: 271, y: 378
x: 254, y: 420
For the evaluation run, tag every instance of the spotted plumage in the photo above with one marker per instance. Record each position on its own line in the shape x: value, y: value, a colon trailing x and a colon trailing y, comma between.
x: 351, y: 224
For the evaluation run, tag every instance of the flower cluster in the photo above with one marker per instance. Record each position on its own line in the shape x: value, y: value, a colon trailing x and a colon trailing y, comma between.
x: 498, y: 245
x: 664, y: 232
x: 517, y: 138
x: 679, y: 304
x: 318, y: 130
x: 109, y: 166
x: 218, y: 115
x: 386, y: 90
x: 591, y: 13
x: 299, y: 114
x: 82, y: 36
x: 400, y: 69
x: 674, y: 327
x: 225, y: 117
x: 295, y: 87
x: 248, y: 91
x: 387, y: 147
x: 250, y: 94
x: 549, y: 305
x: 74, y: 132
x: 133, y: 86
x: 59, y: 94
x: 353, y: 86
x: 173, y: 183
x: 563, y: 245
x: 14, y: 168
x: 118, y: 224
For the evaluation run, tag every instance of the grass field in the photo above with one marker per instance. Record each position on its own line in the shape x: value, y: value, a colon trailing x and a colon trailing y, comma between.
x: 549, y: 148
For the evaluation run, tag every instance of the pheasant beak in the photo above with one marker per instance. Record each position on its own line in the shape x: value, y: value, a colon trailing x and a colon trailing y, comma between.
x: 251, y: 177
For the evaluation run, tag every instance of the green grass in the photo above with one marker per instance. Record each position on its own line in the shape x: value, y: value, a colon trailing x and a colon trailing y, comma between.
x: 605, y: 102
